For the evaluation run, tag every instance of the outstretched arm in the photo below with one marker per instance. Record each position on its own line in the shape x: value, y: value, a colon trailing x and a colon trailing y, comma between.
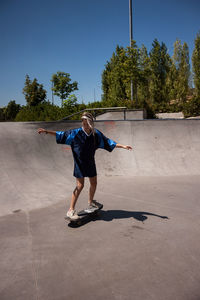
x: 41, y: 130
x: 127, y: 147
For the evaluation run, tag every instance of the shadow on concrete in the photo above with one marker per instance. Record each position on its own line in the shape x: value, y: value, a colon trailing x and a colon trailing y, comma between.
x: 110, y: 215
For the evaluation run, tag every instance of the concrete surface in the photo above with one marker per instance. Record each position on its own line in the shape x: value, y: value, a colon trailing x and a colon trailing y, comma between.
x: 178, y: 115
x: 144, y: 245
x: 121, y: 115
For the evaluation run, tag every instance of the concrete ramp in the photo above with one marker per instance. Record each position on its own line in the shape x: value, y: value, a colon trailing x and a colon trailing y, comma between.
x: 145, y: 243
x: 160, y: 148
x: 36, y: 172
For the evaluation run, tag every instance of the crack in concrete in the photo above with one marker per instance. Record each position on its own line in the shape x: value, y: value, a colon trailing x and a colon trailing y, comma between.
x: 33, y: 267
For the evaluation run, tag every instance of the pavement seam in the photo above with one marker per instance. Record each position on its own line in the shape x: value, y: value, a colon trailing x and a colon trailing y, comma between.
x: 32, y: 260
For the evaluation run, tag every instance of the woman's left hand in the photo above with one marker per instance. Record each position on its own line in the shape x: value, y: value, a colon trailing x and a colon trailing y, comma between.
x: 127, y: 147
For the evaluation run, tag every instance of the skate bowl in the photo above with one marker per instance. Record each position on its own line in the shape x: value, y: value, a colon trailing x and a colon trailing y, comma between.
x: 35, y: 171
x: 145, y: 244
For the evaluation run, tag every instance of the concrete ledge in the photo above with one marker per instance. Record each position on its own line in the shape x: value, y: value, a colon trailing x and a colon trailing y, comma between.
x: 178, y: 115
x: 123, y: 115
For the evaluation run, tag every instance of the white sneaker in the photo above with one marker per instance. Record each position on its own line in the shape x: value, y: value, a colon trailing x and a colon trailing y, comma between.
x: 92, y: 207
x: 72, y: 214
x: 97, y: 204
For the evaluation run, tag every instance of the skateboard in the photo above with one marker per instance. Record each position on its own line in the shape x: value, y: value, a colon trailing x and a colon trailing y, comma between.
x: 84, y: 217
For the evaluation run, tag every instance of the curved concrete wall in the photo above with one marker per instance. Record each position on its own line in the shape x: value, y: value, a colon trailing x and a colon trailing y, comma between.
x: 35, y: 171
x: 170, y: 147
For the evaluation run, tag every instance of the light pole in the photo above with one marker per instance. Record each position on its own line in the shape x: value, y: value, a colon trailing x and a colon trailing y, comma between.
x: 130, y: 21
x: 131, y: 38
x: 52, y: 93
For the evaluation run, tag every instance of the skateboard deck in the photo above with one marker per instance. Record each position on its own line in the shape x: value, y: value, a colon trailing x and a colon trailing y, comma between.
x: 84, y: 217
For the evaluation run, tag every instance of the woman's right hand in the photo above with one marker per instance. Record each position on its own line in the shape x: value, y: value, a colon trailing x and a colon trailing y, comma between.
x: 41, y: 130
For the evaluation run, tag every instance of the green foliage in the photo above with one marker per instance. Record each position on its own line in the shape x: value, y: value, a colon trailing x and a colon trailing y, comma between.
x: 144, y: 75
x: 131, y: 69
x: 34, y: 92
x: 159, y: 69
x: 11, y: 111
x: 171, y: 79
x: 41, y: 112
x: 70, y: 106
x: 181, y: 71
x: 114, y: 78
x: 196, y: 65
x: 47, y: 112
x: 147, y: 72
x: 70, y: 102
x: 192, y: 107
x: 62, y: 86
x: 160, y: 84
x: 2, y: 114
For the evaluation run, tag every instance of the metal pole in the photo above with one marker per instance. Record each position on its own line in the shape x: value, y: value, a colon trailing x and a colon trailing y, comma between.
x: 131, y: 38
x: 52, y: 94
x: 130, y: 21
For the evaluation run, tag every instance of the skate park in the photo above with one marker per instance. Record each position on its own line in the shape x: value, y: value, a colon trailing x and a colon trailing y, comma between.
x: 145, y: 243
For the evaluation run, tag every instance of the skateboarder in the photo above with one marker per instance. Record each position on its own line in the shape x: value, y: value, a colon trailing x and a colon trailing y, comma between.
x: 84, y: 141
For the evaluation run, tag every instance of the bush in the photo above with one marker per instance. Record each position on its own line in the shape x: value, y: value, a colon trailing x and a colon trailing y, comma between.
x: 192, y: 107
x: 11, y: 110
x: 2, y: 114
x: 48, y: 112
x: 41, y: 112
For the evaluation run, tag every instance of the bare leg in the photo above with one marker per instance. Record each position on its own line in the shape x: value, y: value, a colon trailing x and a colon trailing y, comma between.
x: 76, y: 192
x: 93, y: 185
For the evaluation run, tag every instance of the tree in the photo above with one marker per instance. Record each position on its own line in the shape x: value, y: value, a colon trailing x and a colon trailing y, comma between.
x: 62, y: 86
x: 159, y: 66
x: 196, y: 65
x: 118, y: 73
x: 171, y: 82
x: 132, y: 69
x: 144, y: 74
x: 11, y: 110
x: 34, y: 92
x: 157, y: 78
x: 181, y: 62
x: 106, y: 81
x: 71, y: 101
x: 2, y: 114
x: 70, y: 105
x: 118, y: 78
x: 114, y: 78
x: 41, y: 112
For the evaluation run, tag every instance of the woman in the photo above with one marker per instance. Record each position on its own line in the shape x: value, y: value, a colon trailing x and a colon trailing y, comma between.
x: 84, y: 141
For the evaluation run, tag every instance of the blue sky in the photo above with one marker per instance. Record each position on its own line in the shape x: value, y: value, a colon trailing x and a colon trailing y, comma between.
x: 42, y: 37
